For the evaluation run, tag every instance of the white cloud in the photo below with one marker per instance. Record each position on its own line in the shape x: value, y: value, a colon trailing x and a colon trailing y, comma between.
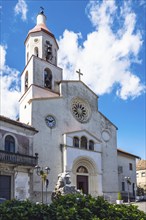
x: 21, y: 8
x: 142, y: 3
x: 129, y: 86
x: 106, y: 56
x: 2, y: 57
x: 101, y: 13
x: 9, y: 87
x: 69, y: 51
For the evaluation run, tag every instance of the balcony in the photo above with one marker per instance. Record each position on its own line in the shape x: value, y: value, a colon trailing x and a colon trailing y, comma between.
x: 19, y: 159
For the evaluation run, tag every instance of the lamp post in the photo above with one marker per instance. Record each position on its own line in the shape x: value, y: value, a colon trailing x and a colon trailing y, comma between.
x: 128, y: 180
x: 43, y: 173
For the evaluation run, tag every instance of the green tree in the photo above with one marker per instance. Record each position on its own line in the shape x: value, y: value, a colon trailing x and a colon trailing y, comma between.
x: 140, y: 191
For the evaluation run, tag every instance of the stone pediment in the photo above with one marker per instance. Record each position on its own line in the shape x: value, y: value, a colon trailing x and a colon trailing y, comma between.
x: 78, y: 84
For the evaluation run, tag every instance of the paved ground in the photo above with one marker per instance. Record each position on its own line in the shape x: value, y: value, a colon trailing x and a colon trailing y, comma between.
x: 141, y: 205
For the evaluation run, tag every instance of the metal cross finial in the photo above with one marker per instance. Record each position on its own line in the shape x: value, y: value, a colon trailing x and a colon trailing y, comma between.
x: 41, y: 10
x: 80, y: 74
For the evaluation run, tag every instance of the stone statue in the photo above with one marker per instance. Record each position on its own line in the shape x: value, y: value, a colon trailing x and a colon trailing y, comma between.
x: 62, y: 186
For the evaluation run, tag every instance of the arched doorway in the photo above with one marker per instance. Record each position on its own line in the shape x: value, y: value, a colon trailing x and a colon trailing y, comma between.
x: 82, y: 179
x: 86, y: 176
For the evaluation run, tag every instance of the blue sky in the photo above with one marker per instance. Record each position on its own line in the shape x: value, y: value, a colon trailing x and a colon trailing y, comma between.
x: 105, y: 39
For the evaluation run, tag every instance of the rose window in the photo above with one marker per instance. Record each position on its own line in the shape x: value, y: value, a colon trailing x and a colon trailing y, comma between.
x: 80, y: 110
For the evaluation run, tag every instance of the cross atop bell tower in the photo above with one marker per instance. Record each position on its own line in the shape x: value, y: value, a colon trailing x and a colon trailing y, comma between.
x: 41, y: 10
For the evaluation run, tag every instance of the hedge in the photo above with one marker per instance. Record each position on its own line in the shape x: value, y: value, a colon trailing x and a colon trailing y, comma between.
x: 70, y: 207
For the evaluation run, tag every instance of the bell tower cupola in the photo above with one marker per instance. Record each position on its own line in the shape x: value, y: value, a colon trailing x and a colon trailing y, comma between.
x: 41, y: 42
x: 41, y: 18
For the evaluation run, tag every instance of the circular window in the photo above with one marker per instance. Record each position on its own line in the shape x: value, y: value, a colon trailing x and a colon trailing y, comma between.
x: 80, y: 110
x: 36, y: 40
x: 105, y: 136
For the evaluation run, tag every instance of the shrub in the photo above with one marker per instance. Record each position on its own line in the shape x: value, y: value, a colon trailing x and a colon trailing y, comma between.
x: 23, y: 210
x: 119, y: 197
x: 140, y: 191
x: 70, y: 207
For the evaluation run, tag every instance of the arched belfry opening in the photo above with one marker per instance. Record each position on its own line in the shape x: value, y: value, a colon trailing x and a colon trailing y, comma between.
x: 26, y: 81
x: 36, y: 51
x: 47, y: 78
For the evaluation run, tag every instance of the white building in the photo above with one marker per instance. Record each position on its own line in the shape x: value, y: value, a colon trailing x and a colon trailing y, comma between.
x: 127, y: 171
x: 73, y: 135
x: 17, y: 159
x: 141, y: 174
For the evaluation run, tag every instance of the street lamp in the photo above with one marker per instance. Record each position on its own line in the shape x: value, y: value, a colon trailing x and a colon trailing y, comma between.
x: 128, y: 180
x: 43, y: 173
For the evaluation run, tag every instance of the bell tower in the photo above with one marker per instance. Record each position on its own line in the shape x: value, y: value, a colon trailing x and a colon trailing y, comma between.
x: 41, y: 74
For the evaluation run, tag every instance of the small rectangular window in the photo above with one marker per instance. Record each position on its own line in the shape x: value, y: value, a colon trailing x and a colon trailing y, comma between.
x: 123, y: 186
x: 120, y: 169
x: 137, y: 174
x: 143, y: 174
x: 130, y: 166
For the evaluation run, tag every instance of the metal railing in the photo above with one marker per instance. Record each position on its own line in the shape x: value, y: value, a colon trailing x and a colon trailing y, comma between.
x: 19, y: 159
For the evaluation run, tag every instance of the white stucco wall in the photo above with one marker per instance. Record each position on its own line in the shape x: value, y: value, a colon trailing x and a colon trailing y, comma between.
x: 47, y: 141
x: 123, y: 161
x: 141, y: 178
x: 73, y: 156
x: 22, y: 186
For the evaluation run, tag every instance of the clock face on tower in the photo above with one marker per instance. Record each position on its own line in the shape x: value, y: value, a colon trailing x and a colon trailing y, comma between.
x: 50, y: 121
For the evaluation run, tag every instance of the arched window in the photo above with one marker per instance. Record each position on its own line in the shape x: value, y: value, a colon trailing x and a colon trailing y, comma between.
x: 36, y: 52
x: 83, y: 142
x: 55, y: 57
x: 26, y: 81
x: 82, y: 169
x: 47, y: 79
x: 49, y: 55
x: 27, y: 56
x: 76, y: 142
x: 9, y: 144
x: 91, y: 145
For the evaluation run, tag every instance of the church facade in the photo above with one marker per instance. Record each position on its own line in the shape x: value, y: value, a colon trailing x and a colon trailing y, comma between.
x: 70, y: 133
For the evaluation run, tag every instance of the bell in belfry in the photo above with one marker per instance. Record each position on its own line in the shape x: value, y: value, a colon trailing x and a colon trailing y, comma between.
x: 49, y: 51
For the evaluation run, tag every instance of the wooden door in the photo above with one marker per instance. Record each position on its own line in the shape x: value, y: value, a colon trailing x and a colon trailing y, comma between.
x: 5, y: 187
x: 82, y: 183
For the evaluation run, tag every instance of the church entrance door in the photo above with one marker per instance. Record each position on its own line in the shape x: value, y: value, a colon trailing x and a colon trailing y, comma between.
x: 5, y: 187
x: 82, y: 183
